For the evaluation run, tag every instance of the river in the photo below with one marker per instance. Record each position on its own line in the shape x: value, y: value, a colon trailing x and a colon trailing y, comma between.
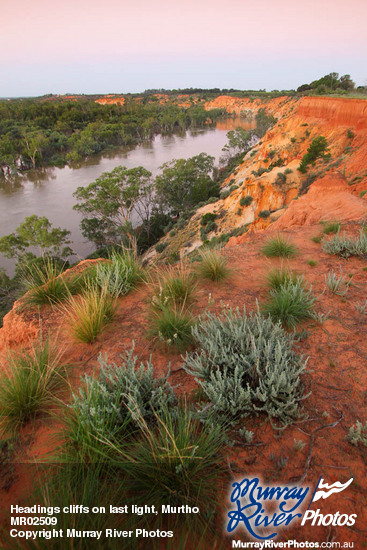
x: 49, y: 192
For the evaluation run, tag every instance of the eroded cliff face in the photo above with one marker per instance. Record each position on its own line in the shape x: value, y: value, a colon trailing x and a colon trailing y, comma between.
x: 269, y: 173
x: 344, y: 124
x: 110, y: 100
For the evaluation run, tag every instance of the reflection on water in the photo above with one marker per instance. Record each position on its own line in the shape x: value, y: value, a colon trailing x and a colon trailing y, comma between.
x: 49, y: 191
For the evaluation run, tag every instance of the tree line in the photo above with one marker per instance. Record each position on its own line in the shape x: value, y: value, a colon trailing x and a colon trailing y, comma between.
x: 37, y: 133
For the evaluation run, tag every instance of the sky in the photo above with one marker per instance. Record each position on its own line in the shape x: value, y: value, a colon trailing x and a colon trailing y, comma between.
x: 121, y: 46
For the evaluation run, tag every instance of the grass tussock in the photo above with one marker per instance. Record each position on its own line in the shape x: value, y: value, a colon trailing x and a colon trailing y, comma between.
x: 45, y: 285
x: 213, y: 266
x: 29, y: 386
x: 173, y: 287
x: 279, y: 247
x: 290, y: 303
x: 172, y: 326
x: 88, y: 314
x: 275, y: 278
x: 316, y: 239
x: 121, y: 273
x: 329, y: 228
x: 178, y: 462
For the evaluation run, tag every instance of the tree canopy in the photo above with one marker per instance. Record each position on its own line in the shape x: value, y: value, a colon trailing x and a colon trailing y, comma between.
x: 36, y: 232
x: 329, y: 83
x: 184, y: 183
x: 114, y: 203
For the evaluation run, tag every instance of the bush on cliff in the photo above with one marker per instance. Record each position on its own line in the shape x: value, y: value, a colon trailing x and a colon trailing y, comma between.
x: 318, y: 148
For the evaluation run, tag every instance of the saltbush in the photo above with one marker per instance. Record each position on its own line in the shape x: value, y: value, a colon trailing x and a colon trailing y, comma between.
x: 343, y: 246
x: 113, y: 403
x: 246, y: 365
x: 358, y: 434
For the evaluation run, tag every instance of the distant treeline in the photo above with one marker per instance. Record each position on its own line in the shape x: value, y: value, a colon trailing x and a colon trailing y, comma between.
x: 332, y: 83
x: 51, y: 133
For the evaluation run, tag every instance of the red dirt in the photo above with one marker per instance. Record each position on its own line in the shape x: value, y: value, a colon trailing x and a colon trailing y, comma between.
x: 337, y: 377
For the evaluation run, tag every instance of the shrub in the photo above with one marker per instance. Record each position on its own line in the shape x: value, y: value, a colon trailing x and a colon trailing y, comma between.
x: 330, y: 227
x: 312, y: 263
x: 208, y: 217
x: 246, y: 201
x: 308, y: 181
x: 280, y: 179
x: 358, y: 434
x: 173, y: 287
x: 205, y: 230
x: 225, y: 194
x: 278, y: 277
x: 350, y: 134
x: 88, y: 314
x: 264, y: 213
x: 245, y: 366
x: 162, y: 246
x: 290, y: 304
x: 213, y: 266
x: 361, y: 307
x: 111, y: 406
x: 28, y: 387
x: 171, y: 325
x: 122, y: 273
x: 279, y: 247
x: 259, y: 172
x: 317, y: 149
x: 362, y: 193
x: 345, y: 247
x: 335, y: 283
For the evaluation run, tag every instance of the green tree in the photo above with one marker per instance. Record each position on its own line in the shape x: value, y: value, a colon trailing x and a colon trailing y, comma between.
x: 184, y: 183
x: 318, y: 148
x: 238, y: 141
x: 263, y: 122
x: 114, y: 203
x: 34, y: 142
x: 346, y: 83
x: 36, y: 233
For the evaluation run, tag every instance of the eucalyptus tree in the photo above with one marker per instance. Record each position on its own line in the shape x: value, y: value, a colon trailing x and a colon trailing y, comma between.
x: 114, y: 204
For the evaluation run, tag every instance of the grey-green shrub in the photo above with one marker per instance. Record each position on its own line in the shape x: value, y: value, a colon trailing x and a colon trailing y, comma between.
x: 344, y: 246
x: 108, y: 404
x: 337, y: 285
x: 246, y: 365
x: 358, y: 434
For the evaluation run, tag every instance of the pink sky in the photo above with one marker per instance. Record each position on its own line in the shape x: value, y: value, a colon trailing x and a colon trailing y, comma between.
x: 72, y: 37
